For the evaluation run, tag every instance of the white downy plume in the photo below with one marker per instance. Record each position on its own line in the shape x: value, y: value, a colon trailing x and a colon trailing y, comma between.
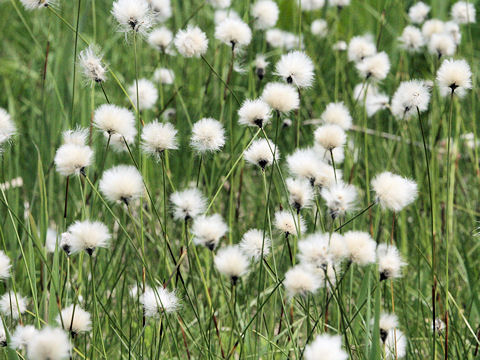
x: 296, y: 68
x: 160, y: 38
x: 220, y: 4
x: 330, y: 136
x: 310, y: 5
x: 339, y: 3
x: 254, y: 113
x: 188, y: 204
x: 288, y: 224
x: 337, y: 114
x: 164, y: 76
x: 453, y: 29
x: 319, y: 27
x: 463, y: 12
x: 113, y: 119
x: 122, y: 183
x: 158, y: 137
x: 281, y: 97
x: 221, y: 15
x: 147, y: 94
x: 5, y: 266
x: 374, y: 67
x: 361, y: 247
x: 49, y: 344
x: 7, y: 127
x: 299, y: 280
x: 394, y: 192
x: 340, y: 46
x: 207, y: 230
x: 91, y: 63
x: 87, y: 236
x: 12, y: 304
x: 51, y: 240
x: 306, y: 163
x: 300, y: 193
x: 207, y: 135
x: 254, y: 244
x: 162, y: 9
x: 261, y: 64
x: 442, y: 45
x: 265, y: 13
x: 409, y: 96
x: 395, y: 344
x: 325, y: 347
x: 158, y: 301
x: 390, y: 262
x: 230, y: 261
x: 340, y: 198
x: 74, y: 320
x: 133, y: 15
x: 373, y: 99
x: 454, y: 77
x: 191, y: 42
x: 325, y: 156
x: 418, y: 12
x: 22, y: 336
x: 411, y: 39
x: 433, y: 26
x: 73, y: 156
x: 37, y: 4
x: 314, y: 251
x: 387, y: 323
x: 361, y: 47
x: 261, y: 153
x: 233, y: 32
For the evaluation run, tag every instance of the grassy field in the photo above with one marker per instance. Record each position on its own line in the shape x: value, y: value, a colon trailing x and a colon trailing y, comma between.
x: 45, y: 92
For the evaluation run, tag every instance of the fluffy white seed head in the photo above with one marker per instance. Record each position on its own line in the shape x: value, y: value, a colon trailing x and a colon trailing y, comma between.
x: 390, y: 262
x: 310, y: 5
x: 147, y: 94
x: 113, y: 119
x: 394, y: 192
x: 254, y: 113
x: 453, y: 29
x: 231, y: 261
x: 361, y: 47
x: 418, y: 12
x: 296, y: 68
x: 261, y: 65
x: 409, y: 96
x: 325, y: 347
x: 261, y: 153
x: 191, y: 42
x: 454, y: 76
x: 337, y: 114
x: 160, y: 38
x: 162, y: 9
x: 319, y: 27
x: 158, y: 137
x: 75, y: 320
x: 88, y: 236
x: 49, y: 344
x: 164, y: 76
x: 158, y: 301
x: 361, y: 247
x: 22, y: 336
x: 133, y: 15
x: 188, y: 204
x: 433, y: 26
x: 92, y: 66
x: 442, y: 45
x: 339, y: 3
x: 463, y: 12
x: 387, y: 323
x: 122, y: 183
x: 307, y: 164
x: 314, y: 251
x: 300, y: 193
x: 233, y: 32
x: 51, y: 240
x: 12, y: 304
x: 281, y: 97
x: 5, y: 266
x: 395, y: 344
x: 330, y: 136
x: 374, y: 67
x: 265, y: 13
x: 340, y: 198
x: 411, y: 39
x: 207, y: 135
x: 7, y: 127
x: 221, y: 15
x: 77, y: 136
x: 220, y: 4
x: 72, y: 159
x: 340, y: 46
x: 324, y: 154
x: 254, y: 244
x: 36, y: 4
x: 288, y: 223
x: 207, y: 230
x: 300, y: 280
x: 117, y: 142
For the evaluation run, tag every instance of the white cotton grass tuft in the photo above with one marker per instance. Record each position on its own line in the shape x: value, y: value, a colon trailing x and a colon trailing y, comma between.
x: 387, y: 323
x: 463, y: 12
x: 207, y: 230
x: 442, y: 45
x: 410, y: 96
x: 340, y: 198
x: 73, y: 156
x: 164, y: 76
x: 233, y: 32
x: 113, y: 119
x: 51, y: 240
x: 7, y: 127
x: 49, y: 344
x: 390, y: 262
x: 119, y: 143
x: 340, y: 4
x: 340, y: 46
x: 22, y: 336
x: 122, y: 183
x: 283, y: 39
x: 375, y: 67
x: 147, y: 94
x: 254, y: 113
x: 220, y: 4
x: 158, y: 301
x: 361, y: 247
x: 300, y: 280
x: 311, y: 5
x: 373, y: 98
x: 160, y: 38
x: 361, y: 47
x: 221, y: 15
x: 255, y: 244
x: 337, y: 114
x: 394, y: 192
x: 281, y: 97
x: 319, y: 27
x: 431, y: 27
x: 75, y: 320
x: 207, y: 135
x: 300, y: 193
x: 261, y: 65
x: 12, y: 304
x: 133, y: 15
x: 289, y: 224
x: 411, y: 39
x: 265, y: 13
x: 158, y: 137
x: 325, y: 347
x: 314, y: 251
x: 454, y: 77
x: 87, y: 236
x: 307, y: 164
x: 188, y: 204
x: 232, y: 262
x: 191, y: 42
x: 395, y: 344
x: 453, y: 29
x: 37, y: 4
x: 296, y: 68
x: 325, y: 156
x: 92, y: 65
x: 5, y: 266
x: 261, y: 153
x: 418, y: 12
x: 162, y: 9
x: 330, y: 136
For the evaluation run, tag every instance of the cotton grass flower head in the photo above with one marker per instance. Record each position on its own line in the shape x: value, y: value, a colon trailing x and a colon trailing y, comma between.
x: 122, y: 183
x: 310, y: 5
x: 7, y: 127
x: 418, y: 12
x: 288, y: 224
x: 307, y: 164
x: 265, y: 13
x: 330, y: 136
x: 220, y: 4
x: 361, y: 247
x: 160, y: 38
x: 87, y: 236
x: 255, y: 244
x: 12, y: 304
x: 77, y: 136
x: 261, y: 65
x: 49, y: 344
x: 75, y: 320
x: 463, y: 12
x: 51, y: 240
x: 390, y: 262
x: 254, y: 113
x: 299, y: 280
x: 387, y: 323
x: 395, y: 344
x: 231, y: 261
x: 281, y: 97
x: 394, y: 192
x: 22, y: 336
x: 314, y: 251
x: 325, y: 156
x: 158, y: 137
x: 221, y: 15
x: 275, y: 38
x: 411, y: 39
x: 454, y: 77
x: 374, y: 67
x: 162, y: 9
x: 338, y: 114
x: 442, y: 45
x: 147, y: 94
x: 207, y: 230
x: 233, y: 32
x: 73, y: 157
x: 133, y: 15
x: 207, y: 135
x: 113, y: 119
x: 410, y: 96
x: 36, y: 4
x: 158, y: 301
x: 296, y: 68
x: 188, y: 204
x: 319, y: 27
x: 119, y: 143
x: 261, y: 153
x: 340, y: 4
x: 164, y: 76
x: 433, y: 26
x: 325, y: 347
x: 340, y: 198
x: 361, y: 47
x: 340, y: 46
x: 453, y: 29
x: 300, y: 193
x: 191, y: 42
x: 92, y: 66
